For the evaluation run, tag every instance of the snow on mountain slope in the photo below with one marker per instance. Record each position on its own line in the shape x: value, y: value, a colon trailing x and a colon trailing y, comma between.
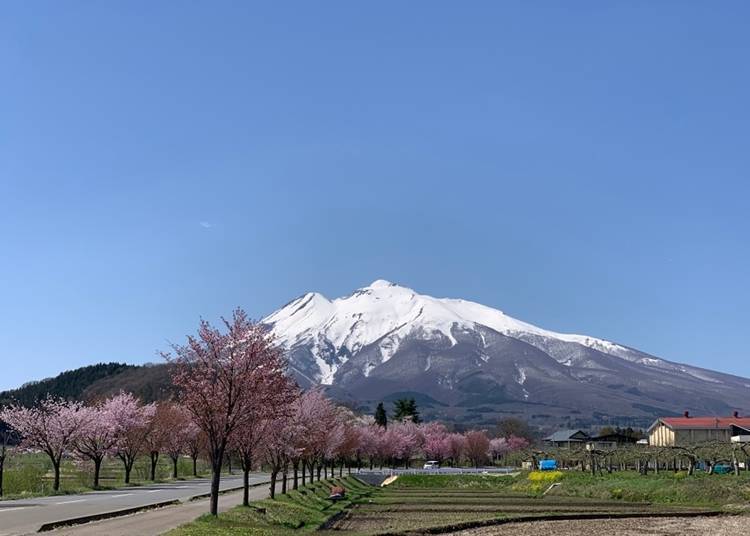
x: 386, y: 313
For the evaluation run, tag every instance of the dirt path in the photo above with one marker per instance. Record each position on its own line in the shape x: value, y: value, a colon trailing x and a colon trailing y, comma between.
x: 667, y: 526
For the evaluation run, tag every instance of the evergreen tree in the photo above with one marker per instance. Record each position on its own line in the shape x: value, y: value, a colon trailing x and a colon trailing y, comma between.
x: 381, y: 419
x: 406, y: 408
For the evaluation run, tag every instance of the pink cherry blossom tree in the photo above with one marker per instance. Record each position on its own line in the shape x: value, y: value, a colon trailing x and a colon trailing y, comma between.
x: 477, y: 446
x: 97, y: 435
x: 457, y: 447
x: 333, y: 440
x: 5, y: 449
x: 222, y: 377
x: 160, y: 428
x: 249, y: 440
x: 52, y: 427
x: 132, y: 421
x: 349, y: 447
x: 436, y: 442
x: 247, y: 443
x: 316, y: 416
x: 516, y: 443
x: 369, y: 443
x: 279, y: 447
x: 342, y: 440
x: 402, y: 440
x: 195, y: 442
x: 302, y: 424
x: 175, y: 430
x: 499, y: 447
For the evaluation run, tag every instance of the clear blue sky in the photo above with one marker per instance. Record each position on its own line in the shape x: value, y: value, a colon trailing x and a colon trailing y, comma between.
x: 583, y: 166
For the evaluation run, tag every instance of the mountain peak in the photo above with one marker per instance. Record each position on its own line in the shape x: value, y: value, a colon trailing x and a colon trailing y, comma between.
x: 386, y: 338
x: 381, y: 283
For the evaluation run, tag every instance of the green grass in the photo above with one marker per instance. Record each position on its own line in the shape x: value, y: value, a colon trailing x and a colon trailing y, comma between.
x: 665, y: 488
x: 297, y: 512
x: 30, y: 475
x: 451, y: 482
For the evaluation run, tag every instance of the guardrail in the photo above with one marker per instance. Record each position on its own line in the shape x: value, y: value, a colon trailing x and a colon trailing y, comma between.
x: 441, y: 471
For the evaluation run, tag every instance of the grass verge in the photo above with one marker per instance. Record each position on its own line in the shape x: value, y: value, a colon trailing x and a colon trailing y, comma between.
x: 666, y: 488
x: 299, y: 511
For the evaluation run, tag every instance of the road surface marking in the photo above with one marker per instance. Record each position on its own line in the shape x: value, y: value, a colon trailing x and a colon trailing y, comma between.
x: 14, y: 508
x: 122, y: 495
x: 71, y: 502
x: 154, y: 491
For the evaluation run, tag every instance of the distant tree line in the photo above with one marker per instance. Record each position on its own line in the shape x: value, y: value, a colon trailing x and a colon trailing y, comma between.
x: 68, y: 385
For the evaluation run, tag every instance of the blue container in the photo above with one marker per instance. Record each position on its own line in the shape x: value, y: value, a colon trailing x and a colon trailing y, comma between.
x: 722, y: 469
x: 547, y: 465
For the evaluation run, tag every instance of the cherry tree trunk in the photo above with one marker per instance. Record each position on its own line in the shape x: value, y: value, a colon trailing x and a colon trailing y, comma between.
x: 174, y: 466
x: 274, y: 474
x: 246, y: 486
x: 215, y: 481
x: 217, y: 460
x: 154, y: 460
x: 97, y: 470
x: 304, y: 471
x: 284, y: 476
x: 195, y: 466
x: 56, y: 467
x: 2, y: 464
x: 295, y: 468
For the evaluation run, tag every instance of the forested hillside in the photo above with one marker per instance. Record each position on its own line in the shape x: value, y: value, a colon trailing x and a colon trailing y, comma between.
x: 149, y: 382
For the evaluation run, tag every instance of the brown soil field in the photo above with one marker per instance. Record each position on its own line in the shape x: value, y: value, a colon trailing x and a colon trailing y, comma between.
x: 665, y: 526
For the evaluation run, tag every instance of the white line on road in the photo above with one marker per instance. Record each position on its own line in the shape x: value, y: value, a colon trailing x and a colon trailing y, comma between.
x: 71, y: 502
x: 154, y: 490
x: 14, y: 508
x: 122, y: 495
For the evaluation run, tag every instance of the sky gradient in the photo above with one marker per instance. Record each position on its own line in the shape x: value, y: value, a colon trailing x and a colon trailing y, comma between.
x: 582, y: 166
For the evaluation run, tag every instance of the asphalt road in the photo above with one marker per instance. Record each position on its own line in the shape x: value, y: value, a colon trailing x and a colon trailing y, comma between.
x: 25, y: 516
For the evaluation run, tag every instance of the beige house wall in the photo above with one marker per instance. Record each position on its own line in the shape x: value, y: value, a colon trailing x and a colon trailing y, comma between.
x: 663, y: 436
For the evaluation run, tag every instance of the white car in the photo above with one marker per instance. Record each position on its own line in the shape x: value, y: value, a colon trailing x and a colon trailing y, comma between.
x: 431, y: 465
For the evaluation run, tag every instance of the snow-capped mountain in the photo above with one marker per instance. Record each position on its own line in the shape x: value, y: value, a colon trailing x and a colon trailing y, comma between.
x: 386, y: 339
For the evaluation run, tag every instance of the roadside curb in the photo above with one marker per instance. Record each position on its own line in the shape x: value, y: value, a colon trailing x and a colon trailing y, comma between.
x: 225, y: 491
x: 46, y: 527
x: 104, y: 515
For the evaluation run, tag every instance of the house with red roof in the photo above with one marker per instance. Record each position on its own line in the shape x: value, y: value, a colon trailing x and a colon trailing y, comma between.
x: 688, y: 430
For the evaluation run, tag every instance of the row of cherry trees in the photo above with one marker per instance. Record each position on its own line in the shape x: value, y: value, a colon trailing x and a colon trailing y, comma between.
x: 235, y: 400
x: 318, y: 436
x: 308, y: 440
x: 120, y: 426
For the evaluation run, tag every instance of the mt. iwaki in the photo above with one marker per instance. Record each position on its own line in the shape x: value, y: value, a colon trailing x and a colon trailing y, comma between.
x: 463, y: 360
